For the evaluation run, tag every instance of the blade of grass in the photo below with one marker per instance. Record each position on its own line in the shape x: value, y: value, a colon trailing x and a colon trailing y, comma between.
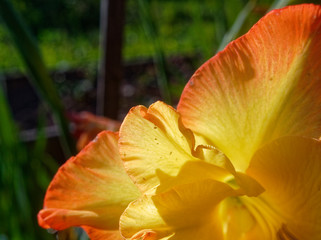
x: 30, y: 53
x: 220, y: 22
x: 279, y: 4
x: 43, y: 165
x: 7, y: 130
x: 159, y: 56
x: 238, y: 23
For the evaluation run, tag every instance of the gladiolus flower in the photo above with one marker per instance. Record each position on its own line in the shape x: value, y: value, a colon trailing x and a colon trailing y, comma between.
x: 238, y: 160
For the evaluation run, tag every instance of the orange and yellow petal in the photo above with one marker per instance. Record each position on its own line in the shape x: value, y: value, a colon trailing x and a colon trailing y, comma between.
x: 158, y: 153
x: 90, y: 189
x: 289, y: 169
x: 99, y: 234
x: 262, y: 86
x: 153, y: 140
x: 187, y: 211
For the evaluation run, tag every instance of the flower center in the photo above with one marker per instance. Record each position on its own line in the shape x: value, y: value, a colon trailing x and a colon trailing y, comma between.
x: 246, y: 217
x: 236, y: 218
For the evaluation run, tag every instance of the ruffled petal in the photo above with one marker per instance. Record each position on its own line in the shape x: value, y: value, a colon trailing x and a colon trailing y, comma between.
x: 187, y: 211
x: 262, y: 86
x: 289, y: 169
x: 159, y: 153
x: 154, y: 140
x: 90, y: 189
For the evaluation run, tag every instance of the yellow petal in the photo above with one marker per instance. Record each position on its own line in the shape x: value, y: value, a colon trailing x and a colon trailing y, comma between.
x: 289, y: 169
x: 154, y: 140
x: 188, y: 211
x: 190, y: 172
x: 264, y: 85
x: 159, y: 152
x: 90, y: 189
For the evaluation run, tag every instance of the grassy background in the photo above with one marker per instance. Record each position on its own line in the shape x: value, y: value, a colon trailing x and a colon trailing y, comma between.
x: 183, y: 27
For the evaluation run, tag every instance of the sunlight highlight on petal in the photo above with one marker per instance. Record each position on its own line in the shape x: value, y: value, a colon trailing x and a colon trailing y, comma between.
x: 262, y: 86
x: 154, y: 139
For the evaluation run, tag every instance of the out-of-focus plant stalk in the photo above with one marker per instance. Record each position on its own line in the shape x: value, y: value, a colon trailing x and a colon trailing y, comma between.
x: 159, y: 57
x: 8, y: 134
x: 33, y: 60
x: 238, y: 23
x: 279, y: 4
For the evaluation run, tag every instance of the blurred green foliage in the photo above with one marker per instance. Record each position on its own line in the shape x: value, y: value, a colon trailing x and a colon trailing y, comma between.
x: 75, y: 17
x: 24, y: 176
x: 187, y: 27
